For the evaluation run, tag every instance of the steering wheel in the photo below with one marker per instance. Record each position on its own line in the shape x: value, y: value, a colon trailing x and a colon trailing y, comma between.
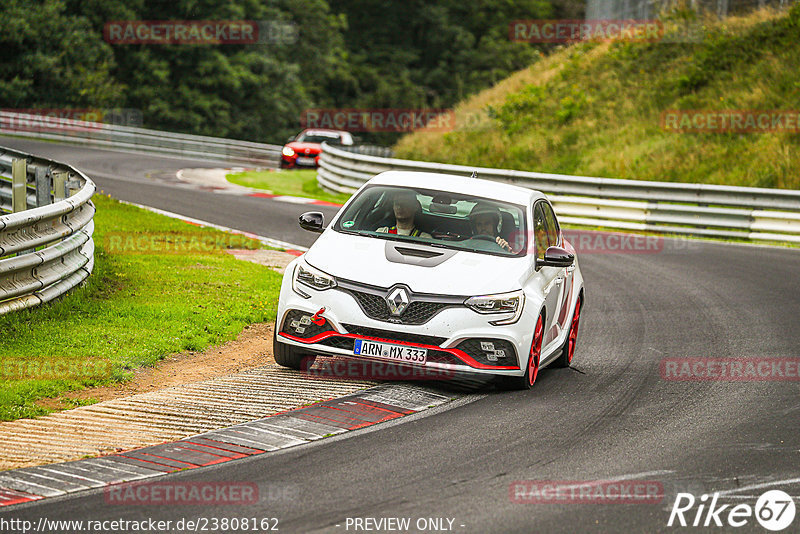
x: 484, y: 237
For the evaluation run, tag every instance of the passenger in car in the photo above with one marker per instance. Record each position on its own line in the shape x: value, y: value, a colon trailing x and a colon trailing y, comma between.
x: 485, y: 220
x: 406, y: 208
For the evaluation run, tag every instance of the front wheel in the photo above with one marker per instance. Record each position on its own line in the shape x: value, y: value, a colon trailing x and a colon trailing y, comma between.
x: 534, y: 357
x: 289, y: 356
x: 568, y: 349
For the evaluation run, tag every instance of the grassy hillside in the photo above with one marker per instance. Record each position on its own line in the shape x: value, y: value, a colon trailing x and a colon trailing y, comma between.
x: 595, y: 109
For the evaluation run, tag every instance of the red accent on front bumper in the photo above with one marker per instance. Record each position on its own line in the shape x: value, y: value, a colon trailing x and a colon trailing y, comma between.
x: 460, y: 354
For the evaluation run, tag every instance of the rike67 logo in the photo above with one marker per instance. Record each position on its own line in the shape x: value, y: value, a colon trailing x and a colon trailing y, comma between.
x: 774, y: 510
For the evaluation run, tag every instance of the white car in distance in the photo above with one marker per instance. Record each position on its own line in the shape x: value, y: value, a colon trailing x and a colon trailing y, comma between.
x: 451, y: 273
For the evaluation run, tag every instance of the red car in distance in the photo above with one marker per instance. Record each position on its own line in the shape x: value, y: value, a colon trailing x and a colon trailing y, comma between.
x: 303, y: 150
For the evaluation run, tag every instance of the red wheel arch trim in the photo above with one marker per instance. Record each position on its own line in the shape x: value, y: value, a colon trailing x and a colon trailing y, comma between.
x: 536, y: 351
x: 573, y: 330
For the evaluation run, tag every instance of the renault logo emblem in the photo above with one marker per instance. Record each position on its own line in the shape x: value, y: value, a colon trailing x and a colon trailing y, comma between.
x: 397, y: 300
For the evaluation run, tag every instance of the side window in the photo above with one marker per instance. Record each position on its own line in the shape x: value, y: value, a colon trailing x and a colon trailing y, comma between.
x: 552, y: 226
x: 539, y: 231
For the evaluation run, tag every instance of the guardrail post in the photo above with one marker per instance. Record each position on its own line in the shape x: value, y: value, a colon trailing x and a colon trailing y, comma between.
x: 59, y: 186
x: 19, y: 182
x: 43, y: 177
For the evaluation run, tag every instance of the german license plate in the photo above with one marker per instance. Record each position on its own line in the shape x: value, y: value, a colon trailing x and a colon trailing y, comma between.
x: 388, y: 351
x: 306, y: 161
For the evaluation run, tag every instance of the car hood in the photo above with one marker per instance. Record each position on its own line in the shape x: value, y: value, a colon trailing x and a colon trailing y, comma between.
x: 364, y: 259
x: 301, y: 147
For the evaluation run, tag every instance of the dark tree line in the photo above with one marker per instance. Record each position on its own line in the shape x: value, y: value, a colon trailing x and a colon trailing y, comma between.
x: 348, y: 53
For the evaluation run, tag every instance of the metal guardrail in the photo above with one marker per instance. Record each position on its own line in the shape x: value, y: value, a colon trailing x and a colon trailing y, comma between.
x: 368, y: 150
x: 138, y: 139
x: 664, y: 207
x: 46, y: 245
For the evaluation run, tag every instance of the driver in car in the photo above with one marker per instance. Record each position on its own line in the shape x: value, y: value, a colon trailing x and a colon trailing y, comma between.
x: 406, y: 207
x: 485, y: 220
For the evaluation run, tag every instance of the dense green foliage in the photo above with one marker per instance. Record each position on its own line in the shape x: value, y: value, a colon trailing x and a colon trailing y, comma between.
x: 596, y: 109
x: 351, y: 53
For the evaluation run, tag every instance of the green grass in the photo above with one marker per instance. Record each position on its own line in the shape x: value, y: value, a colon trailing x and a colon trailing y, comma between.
x: 135, y: 308
x: 74, y: 403
x: 302, y: 183
x: 595, y: 109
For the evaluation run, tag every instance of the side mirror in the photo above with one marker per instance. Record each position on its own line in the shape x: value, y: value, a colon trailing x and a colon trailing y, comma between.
x: 312, y: 221
x: 557, y: 257
x: 290, y: 139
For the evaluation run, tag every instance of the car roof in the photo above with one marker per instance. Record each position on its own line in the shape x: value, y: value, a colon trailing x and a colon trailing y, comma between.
x: 459, y: 184
x: 324, y: 131
x: 345, y: 137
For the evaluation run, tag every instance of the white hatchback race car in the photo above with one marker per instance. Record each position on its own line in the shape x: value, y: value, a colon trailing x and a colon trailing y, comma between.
x: 454, y: 274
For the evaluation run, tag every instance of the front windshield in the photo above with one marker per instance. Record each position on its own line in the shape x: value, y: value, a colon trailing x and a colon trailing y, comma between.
x: 437, y: 218
x: 319, y: 138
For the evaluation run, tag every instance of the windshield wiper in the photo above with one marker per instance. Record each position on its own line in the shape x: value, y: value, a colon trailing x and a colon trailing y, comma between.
x: 364, y: 234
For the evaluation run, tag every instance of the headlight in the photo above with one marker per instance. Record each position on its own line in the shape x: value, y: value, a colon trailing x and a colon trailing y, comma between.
x: 502, y: 303
x: 287, y: 151
x: 305, y: 275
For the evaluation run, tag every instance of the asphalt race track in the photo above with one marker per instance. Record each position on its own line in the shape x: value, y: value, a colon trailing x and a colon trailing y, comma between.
x: 150, y: 180
x: 610, y: 417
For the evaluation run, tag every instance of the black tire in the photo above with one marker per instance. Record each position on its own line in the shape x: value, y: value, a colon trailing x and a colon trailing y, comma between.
x: 567, y: 352
x: 525, y: 382
x: 289, y: 356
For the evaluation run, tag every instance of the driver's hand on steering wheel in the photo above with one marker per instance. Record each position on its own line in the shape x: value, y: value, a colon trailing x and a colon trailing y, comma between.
x: 503, y: 243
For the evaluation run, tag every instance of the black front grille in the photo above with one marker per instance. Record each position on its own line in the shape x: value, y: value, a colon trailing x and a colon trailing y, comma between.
x: 481, y: 354
x: 300, y: 330
x: 418, y: 312
x: 388, y: 335
x: 373, y: 305
x: 470, y: 346
x: 438, y: 356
